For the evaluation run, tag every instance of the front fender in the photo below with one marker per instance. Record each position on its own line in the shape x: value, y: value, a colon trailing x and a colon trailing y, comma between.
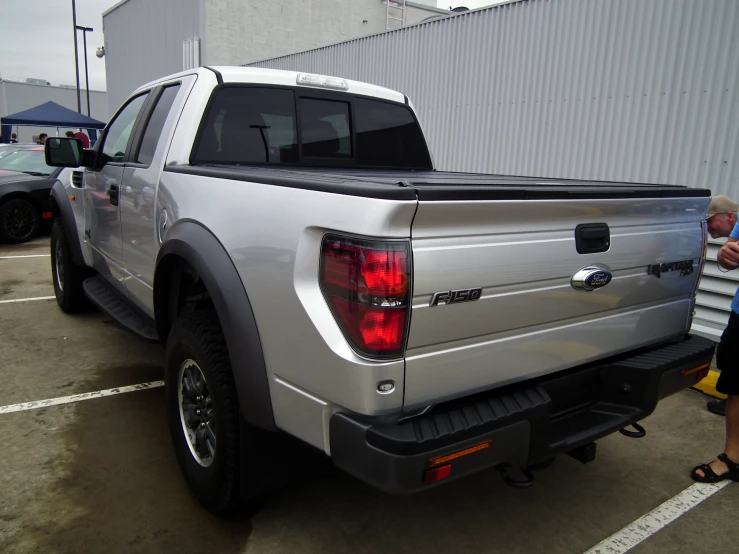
x: 197, y: 246
x: 61, y: 206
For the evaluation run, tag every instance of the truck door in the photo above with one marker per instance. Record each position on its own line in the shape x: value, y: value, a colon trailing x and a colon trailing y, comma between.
x: 142, y: 223
x: 103, y: 191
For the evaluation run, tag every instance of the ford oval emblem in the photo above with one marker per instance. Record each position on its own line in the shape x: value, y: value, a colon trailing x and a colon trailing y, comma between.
x: 591, y: 278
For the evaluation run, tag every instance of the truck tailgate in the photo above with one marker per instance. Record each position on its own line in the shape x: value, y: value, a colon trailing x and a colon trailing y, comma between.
x: 520, y: 249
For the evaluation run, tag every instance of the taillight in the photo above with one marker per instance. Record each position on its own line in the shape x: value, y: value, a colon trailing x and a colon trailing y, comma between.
x: 367, y: 286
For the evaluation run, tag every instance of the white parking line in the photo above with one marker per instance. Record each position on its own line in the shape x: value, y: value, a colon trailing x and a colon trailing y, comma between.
x: 27, y: 299
x: 26, y: 256
x: 664, y: 514
x: 77, y: 397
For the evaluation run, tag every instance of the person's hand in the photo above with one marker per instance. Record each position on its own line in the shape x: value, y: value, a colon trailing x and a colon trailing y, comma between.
x: 728, y: 256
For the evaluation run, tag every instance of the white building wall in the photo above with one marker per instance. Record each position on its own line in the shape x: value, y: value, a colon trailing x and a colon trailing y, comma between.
x: 627, y: 90
x: 144, y: 38
x: 17, y: 97
x: 143, y: 42
x: 242, y: 31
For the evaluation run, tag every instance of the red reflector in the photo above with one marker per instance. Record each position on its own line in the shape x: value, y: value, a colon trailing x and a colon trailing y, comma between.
x: 376, y: 272
x: 47, y: 215
x: 695, y: 369
x: 377, y: 329
x: 434, y: 475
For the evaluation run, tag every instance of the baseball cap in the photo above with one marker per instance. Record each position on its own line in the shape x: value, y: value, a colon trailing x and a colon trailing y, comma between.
x: 721, y: 204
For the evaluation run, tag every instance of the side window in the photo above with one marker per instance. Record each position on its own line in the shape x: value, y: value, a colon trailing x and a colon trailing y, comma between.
x: 156, y: 124
x: 249, y: 125
x: 324, y: 128
x: 120, y: 130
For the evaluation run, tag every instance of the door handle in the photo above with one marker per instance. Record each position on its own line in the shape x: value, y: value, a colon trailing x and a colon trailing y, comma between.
x: 592, y: 238
x: 113, y: 194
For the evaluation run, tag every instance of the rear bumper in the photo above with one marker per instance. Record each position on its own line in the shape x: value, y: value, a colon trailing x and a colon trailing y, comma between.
x: 526, y: 423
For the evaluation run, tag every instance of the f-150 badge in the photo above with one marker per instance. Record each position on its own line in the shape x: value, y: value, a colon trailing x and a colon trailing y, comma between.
x: 455, y: 296
x: 591, y: 278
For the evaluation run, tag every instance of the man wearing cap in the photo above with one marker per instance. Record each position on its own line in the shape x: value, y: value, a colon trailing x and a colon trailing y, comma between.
x: 722, y: 222
x: 722, y: 219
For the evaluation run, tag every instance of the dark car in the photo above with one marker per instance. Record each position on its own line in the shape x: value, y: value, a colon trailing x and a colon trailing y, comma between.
x: 25, y: 184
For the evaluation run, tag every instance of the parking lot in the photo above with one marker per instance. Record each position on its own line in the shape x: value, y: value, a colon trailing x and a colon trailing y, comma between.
x: 100, y: 475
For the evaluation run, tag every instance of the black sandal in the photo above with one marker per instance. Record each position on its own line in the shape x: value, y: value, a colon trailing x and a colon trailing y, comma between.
x: 709, y: 476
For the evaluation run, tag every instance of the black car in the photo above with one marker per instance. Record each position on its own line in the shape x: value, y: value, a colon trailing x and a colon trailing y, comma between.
x: 25, y: 185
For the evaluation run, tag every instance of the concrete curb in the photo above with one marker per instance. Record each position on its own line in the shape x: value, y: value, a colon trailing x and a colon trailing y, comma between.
x: 708, y: 385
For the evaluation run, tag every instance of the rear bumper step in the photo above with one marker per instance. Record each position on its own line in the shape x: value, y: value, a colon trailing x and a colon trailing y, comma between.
x: 521, y: 425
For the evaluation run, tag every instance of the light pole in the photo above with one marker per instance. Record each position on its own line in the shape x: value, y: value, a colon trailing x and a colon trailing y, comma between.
x: 76, y: 60
x: 85, y: 30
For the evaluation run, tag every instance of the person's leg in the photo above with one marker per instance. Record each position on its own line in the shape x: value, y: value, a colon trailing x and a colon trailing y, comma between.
x: 732, y: 428
x: 727, y: 360
x: 732, y: 437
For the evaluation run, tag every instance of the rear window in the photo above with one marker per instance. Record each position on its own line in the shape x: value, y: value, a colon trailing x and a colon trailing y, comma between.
x: 388, y: 135
x: 255, y: 125
x: 325, y: 129
x: 248, y: 126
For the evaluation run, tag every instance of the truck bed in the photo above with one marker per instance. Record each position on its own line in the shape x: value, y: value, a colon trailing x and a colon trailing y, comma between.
x: 514, y: 241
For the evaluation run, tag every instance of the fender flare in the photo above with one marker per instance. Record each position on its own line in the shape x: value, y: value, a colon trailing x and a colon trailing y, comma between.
x: 196, y: 245
x: 61, y: 207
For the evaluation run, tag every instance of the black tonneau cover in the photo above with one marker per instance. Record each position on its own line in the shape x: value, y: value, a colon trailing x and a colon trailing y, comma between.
x: 430, y: 186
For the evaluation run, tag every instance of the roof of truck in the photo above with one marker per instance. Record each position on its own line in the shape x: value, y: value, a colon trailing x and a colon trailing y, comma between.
x: 238, y: 74
x: 289, y: 78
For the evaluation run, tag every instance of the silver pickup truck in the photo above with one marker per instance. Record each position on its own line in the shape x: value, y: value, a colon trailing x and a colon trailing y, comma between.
x: 287, y: 240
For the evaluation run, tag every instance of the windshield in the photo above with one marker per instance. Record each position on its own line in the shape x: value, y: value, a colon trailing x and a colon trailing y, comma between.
x: 8, y: 149
x: 27, y: 161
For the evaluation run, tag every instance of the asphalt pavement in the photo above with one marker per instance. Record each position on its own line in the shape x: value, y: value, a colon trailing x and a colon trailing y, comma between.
x: 100, y: 475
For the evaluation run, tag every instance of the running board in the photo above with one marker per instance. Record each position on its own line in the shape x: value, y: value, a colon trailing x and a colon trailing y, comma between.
x: 109, y: 301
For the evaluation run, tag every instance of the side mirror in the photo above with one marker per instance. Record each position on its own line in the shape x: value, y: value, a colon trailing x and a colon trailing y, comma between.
x: 63, y: 152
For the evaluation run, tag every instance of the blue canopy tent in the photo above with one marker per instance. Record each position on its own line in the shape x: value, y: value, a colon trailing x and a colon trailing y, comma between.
x: 50, y: 115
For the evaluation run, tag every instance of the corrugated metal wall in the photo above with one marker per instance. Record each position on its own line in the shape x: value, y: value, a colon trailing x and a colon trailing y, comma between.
x: 627, y: 90
x: 714, y: 297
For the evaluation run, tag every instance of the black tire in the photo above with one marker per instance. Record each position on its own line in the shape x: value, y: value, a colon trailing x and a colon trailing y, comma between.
x: 198, y: 338
x: 19, y: 221
x: 67, y: 275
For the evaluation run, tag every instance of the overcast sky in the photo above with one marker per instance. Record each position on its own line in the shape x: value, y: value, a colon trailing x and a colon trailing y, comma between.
x: 37, y: 41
